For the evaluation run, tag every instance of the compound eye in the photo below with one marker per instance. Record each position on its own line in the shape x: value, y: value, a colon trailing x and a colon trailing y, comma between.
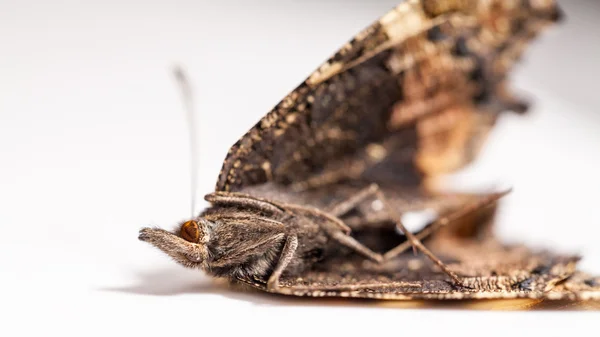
x: 190, y: 231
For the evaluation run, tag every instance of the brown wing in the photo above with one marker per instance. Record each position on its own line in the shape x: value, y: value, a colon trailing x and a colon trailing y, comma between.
x: 493, y: 272
x: 422, y: 58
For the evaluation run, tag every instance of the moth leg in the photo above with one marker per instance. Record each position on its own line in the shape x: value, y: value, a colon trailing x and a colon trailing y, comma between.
x: 339, y: 224
x: 415, y: 242
x: 338, y: 231
x: 347, y: 205
x: 245, y: 200
x: 335, y: 227
x: 229, y: 198
x: 349, y: 242
x: 479, y: 204
x: 291, y: 243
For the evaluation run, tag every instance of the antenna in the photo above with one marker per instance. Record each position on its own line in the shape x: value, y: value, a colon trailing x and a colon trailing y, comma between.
x: 188, y: 101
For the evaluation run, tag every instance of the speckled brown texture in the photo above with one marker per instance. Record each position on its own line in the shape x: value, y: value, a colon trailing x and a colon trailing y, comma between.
x: 433, y: 71
x: 412, y: 96
x: 489, y: 268
x: 491, y: 271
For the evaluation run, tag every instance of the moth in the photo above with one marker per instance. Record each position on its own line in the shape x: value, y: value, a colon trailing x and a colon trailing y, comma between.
x: 310, y: 201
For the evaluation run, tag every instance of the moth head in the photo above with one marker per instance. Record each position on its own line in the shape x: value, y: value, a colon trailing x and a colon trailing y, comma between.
x: 187, y: 245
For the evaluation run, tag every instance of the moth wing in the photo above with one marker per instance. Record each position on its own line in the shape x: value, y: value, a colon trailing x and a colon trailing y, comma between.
x: 507, y: 273
x: 420, y: 58
x: 493, y: 270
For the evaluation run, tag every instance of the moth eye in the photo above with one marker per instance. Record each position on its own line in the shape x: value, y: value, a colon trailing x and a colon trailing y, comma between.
x: 190, y: 231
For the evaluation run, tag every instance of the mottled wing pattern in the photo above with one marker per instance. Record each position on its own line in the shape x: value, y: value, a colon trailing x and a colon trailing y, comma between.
x: 492, y: 270
x: 498, y: 272
x: 434, y: 68
x: 420, y: 90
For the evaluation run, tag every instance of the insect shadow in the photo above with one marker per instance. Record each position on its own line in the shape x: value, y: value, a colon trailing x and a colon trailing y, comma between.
x: 175, y: 281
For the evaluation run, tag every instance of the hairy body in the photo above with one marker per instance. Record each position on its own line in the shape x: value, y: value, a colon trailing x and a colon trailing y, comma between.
x: 245, y: 237
x: 250, y: 246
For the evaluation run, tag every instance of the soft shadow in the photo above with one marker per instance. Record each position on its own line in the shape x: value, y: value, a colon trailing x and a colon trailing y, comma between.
x: 173, y: 282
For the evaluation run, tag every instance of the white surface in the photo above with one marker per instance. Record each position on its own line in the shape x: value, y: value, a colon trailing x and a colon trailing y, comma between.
x: 94, y: 146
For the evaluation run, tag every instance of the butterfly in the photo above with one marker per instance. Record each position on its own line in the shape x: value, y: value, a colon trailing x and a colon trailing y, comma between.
x: 311, y: 201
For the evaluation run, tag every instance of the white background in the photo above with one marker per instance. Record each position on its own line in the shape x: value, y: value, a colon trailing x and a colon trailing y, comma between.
x: 93, y: 146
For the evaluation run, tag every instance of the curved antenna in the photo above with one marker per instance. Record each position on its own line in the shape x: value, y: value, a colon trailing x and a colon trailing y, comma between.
x: 188, y: 101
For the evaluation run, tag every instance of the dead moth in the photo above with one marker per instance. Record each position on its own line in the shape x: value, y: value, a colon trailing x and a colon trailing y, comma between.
x: 412, y: 95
